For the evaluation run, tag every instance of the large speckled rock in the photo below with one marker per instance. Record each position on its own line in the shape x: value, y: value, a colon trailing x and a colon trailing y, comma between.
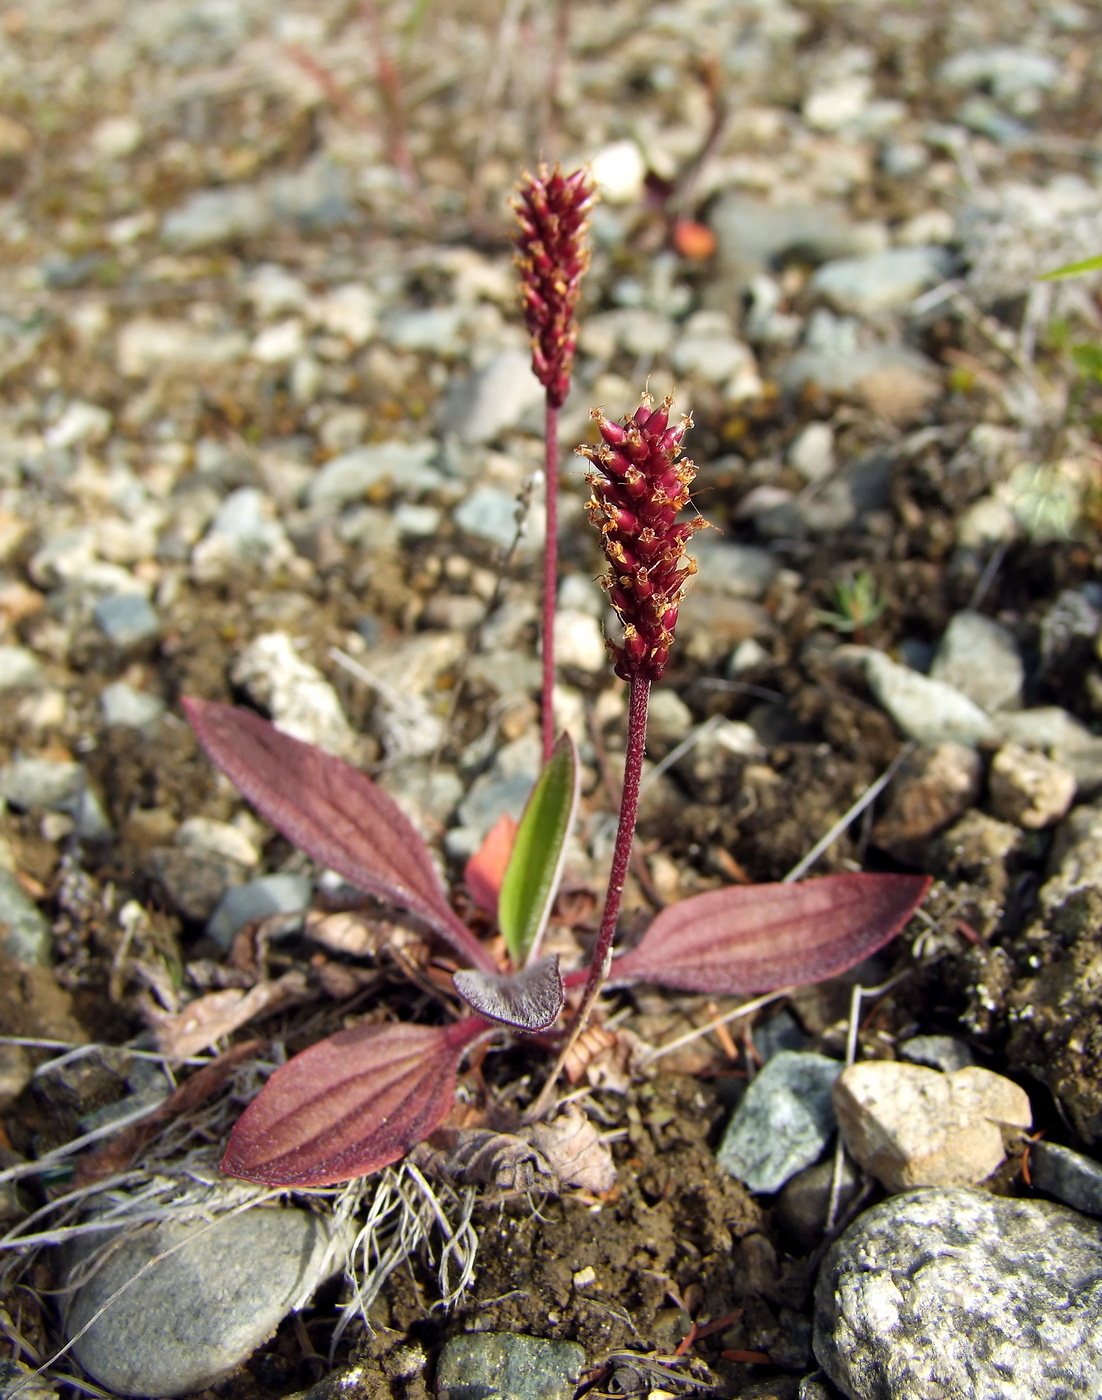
x: 208, y: 1296
x: 955, y: 1293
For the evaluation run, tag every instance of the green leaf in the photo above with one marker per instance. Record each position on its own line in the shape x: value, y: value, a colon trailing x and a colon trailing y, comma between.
x: 1074, y: 269
x: 535, y: 866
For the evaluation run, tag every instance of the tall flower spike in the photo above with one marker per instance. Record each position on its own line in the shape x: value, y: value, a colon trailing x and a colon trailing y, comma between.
x: 639, y: 486
x: 551, y: 214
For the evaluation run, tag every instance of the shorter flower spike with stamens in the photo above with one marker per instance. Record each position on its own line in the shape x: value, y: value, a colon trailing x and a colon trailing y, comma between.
x: 551, y: 213
x: 638, y: 489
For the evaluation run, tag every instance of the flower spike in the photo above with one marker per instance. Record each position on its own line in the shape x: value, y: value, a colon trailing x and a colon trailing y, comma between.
x: 639, y: 486
x: 551, y: 211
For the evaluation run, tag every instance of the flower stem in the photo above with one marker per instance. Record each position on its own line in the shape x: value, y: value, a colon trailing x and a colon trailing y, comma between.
x: 600, y: 962
x: 550, y: 575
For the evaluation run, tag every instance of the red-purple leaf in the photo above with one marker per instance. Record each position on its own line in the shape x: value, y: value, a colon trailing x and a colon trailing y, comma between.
x: 349, y: 1105
x: 334, y: 813
x: 528, y: 1000
x: 757, y: 938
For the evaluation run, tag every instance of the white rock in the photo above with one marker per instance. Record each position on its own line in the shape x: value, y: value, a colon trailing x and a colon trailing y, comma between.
x: 348, y: 310
x: 114, y: 138
x: 125, y: 707
x: 221, y: 838
x: 927, y: 710
x: 276, y: 345
x: 618, y: 170
x: 836, y: 104
x: 913, y: 1126
x: 300, y: 700
x: 146, y: 345
x: 812, y: 452
x: 579, y: 642
x: 19, y: 669
x: 273, y: 290
x: 81, y: 422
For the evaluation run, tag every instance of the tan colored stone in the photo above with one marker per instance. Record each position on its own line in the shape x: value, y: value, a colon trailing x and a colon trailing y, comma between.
x: 1028, y: 788
x: 911, y: 1126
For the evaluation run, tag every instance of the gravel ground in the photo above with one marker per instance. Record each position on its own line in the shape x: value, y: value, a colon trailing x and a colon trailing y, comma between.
x: 268, y: 433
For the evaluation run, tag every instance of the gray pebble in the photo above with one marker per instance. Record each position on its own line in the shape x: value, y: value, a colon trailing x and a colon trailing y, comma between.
x: 408, y: 466
x: 490, y: 514
x: 508, y: 1366
x: 193, y: 880
x: 927, y: 710
x: 803, y: 1203
x: 194, y: 1315
x: 256, y: 899
x: 37, y: 783
x: 1069, y: 1176
x: 737, y: 570
x: 124, y: 707
x: 24, y: 930
x: 841, y: 372
x: 315, y: 196
x: 753, y: 234
x: 883, y: 281
x: 980, y: 657
x: 437, y: 329
x: 783, y: 1123
x: 953, y: 1292
x: 493, y: 400
x: 943, y: 1052
x: 126, y: 618
x: 19, y: 669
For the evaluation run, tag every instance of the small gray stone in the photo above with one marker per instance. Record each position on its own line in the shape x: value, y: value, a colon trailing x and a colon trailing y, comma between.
x: 493, y: 400
x: 203, y: 1309
x: 943, y: 1052
x: 579, y: 642
x: 34, y: 784
x: 883, y: 281
x: 490, y: 514
x: 980, y: 658
x: 952, y: 1292
x: 1075, y: 861
x: 508, y: 1366
x: 19, y: 669
x: 315, y: 196
x: 736, y: 570
x: 124, y: 707
x: 406, y: 466
x: 927, y: 710
x: 437, y: 329
x: 24, y: 929
x: 127, y: 619
x: 1069, y: 1176
x: 256, y: 899
x: 802, y: 1204
x: 669, y: 719
x: 193, y: 880
x: 783, y: 1123
x: 1008, y: 71
x: 753, y: 234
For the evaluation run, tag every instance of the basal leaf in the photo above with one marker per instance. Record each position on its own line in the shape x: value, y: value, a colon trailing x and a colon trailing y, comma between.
x: 528, y: 1000
x: 535, y: 866
x: 334, y: 813
x: 350, y: 1104
x: 1074, y: 269
x: 485, y: 870
x: 757, y: 938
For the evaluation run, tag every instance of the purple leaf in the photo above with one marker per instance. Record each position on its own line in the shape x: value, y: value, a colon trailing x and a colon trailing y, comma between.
x: 350, y: 1104
x: 529, y: 1000
x: 334, y: 813
x: 757, y: 938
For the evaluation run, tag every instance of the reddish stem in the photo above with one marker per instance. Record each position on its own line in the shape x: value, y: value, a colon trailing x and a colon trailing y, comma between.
x: 550, y: 575
x: 639, y: 698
